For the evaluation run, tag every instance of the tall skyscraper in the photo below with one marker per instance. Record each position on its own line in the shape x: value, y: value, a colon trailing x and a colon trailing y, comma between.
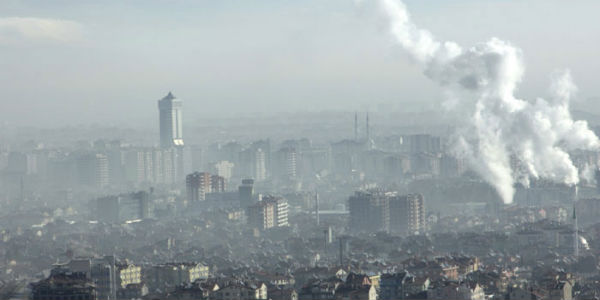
x: 170, y: 114
x: 171, y: 132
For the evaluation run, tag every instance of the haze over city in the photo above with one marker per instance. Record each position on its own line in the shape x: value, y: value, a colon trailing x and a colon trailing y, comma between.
x: 104, y: 62
x: 299, y: 150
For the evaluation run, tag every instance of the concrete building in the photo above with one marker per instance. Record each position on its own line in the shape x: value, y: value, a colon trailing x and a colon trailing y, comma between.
x: 197, y: 184
x: 218, y: 184
x: 151, y: 165
x: 241, y: 291
x: 246, y: 192
x: 370, y: 211
x: 22, y: 163
x: 454, y: 290
x: 134, y: 166
x: 102, y: 272
x: 171, y: 133
x: 197, y: 157
x: 224, y: 169
x: 286, y: 163
x: 170, y: 116
x: 128, y: 274
x: 451, y: 166
x: 265, y: 147
x: 92, y: 170
x: 423, y: 143
x: 268, y: 213
x: 345, y: 156
x: 174, y: 274
x: 281, y: 210
x: 261, y: 215
x: 253, y: 164
x: 64, y: 286
x: 123, y: 208
x: 377, y: 210
x: 407, y: 214
x: 133, y: 291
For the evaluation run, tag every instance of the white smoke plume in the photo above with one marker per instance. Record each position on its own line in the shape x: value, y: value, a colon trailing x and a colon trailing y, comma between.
x: 588, y: 173
x: 507, y: 140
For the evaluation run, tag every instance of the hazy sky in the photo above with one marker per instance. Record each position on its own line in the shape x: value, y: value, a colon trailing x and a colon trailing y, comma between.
x: 89, y: 61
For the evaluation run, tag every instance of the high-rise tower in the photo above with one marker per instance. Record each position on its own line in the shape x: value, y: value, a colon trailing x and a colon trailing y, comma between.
x: 170, y: 114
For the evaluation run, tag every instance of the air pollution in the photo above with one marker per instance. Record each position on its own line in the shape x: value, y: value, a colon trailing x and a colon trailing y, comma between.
x: 506, y: 140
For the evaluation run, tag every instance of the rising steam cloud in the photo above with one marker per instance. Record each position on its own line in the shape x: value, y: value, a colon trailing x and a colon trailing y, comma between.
x: 507, y: 139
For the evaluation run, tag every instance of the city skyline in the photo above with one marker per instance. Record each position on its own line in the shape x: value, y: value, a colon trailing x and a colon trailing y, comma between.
x: 335, y: 55
x: 330, y: 150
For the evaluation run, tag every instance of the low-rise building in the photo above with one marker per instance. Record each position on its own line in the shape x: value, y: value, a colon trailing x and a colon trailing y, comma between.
x: 241, y: 290
x: 62, y: 285
x: 129, y: 274
x: 174, y: 274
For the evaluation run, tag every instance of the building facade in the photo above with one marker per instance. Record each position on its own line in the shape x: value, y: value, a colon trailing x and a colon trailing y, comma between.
x: 123, y: 208
x: 198, y: 184
x: 170, y: 116
x: 64, y: 286
x: 377, y: 210
x: 369, y: 211
x: 174, y: 274
x: 268, y: 213
x: 407, y: 214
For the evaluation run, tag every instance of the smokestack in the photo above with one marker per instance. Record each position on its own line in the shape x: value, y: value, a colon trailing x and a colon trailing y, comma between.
x: 488, y: 139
